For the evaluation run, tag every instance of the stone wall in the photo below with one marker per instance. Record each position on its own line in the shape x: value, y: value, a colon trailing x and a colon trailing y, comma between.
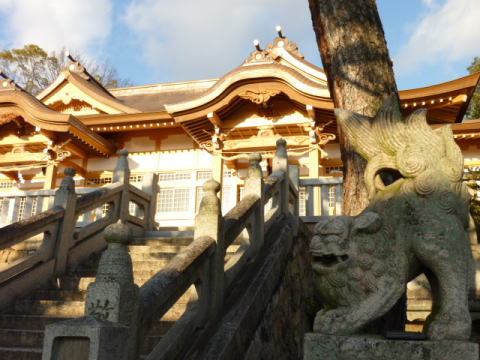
x: 289, y: 314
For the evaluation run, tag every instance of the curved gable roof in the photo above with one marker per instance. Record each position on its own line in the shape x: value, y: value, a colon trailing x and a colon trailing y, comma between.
x: 16, y: 101
x: 76, y: 75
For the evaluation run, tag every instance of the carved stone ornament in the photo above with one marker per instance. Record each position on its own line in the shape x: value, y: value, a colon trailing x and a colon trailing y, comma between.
x: 416, y: 223
x: 259, y: 96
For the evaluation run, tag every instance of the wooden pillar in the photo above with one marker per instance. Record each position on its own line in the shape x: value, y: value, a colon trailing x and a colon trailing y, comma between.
x: 50, y: 177
x: 314, y: 173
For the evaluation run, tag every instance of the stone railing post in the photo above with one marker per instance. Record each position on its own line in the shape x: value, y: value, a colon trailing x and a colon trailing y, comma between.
x: 150, y: 186
x: 208, y: 222
x: 293, y: 173
x: 255, y: 185
x: 114, y: 296
x: 66, y: 198
x: 121, y: 173
x: 109, y: 329
x: 280, y: 164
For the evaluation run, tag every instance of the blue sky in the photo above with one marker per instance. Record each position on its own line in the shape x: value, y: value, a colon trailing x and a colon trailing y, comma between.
x: 156, y: 41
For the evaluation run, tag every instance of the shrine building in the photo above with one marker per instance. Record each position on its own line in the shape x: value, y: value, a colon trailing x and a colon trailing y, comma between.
x: 188, y: 132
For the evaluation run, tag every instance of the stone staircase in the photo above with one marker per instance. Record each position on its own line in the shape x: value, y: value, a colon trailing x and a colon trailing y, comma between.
x: 22, y: 327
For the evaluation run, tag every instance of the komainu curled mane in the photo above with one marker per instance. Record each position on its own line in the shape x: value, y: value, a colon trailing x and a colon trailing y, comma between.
x: 416, y: 223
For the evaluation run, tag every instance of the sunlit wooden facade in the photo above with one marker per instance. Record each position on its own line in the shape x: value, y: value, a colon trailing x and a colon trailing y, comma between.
x: 191, y: 131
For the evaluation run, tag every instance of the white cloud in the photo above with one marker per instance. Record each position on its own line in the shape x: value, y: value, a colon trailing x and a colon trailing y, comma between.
x: 450, y: 32
x: 193, y: 39
x: 429, y: 3
x: 53, y: 24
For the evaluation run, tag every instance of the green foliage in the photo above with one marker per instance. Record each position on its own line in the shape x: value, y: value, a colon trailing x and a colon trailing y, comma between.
x: 34, y: 69
x: 472, y: 178
x: 473, y: 111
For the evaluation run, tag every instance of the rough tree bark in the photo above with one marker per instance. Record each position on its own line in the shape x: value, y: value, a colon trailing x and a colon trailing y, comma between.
x: 360, y: 76
x: 355, y: 56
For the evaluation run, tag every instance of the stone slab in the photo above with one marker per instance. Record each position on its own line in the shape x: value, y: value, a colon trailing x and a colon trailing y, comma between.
x: 335, y: 347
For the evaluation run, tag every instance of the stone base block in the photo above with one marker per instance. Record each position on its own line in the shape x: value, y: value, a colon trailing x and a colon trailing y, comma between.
x: 335, y: 347
x: 85, y: 338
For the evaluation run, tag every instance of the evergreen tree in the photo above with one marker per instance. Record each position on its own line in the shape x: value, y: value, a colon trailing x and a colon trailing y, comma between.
x: 473, y: 111
x: 472, y: 178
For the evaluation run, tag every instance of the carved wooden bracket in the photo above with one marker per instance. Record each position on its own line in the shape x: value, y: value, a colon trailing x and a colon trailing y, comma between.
x: 259, y: 96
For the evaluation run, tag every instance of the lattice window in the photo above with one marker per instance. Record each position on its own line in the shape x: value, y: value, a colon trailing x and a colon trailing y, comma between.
x: 302, y: 201
x: 136, y: 178
x: 332, y: 196
x: 175, y: 176
x: 227, y: 201
x: 198, y: 197
x: 21, y: 208
x: 227, y: 174
x: 132, y: 208
x: 34, y: 206
x: 241, y: 192
x: 204, y: 175
x: 173, y: 200
x: 99, y: 180
x: 105, y: 208
x: 7, y: 184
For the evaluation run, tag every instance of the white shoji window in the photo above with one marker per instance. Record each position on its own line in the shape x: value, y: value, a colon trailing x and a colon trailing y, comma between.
x: 302, y: 201
x: 34, y: 206
x: 7, y: 184
x: 204, y: 175
x: 21, y: 208
x: 173, y: 200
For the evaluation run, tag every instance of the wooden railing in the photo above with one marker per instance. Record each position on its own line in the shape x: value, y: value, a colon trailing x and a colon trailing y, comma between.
x: 204, y: 264
x: 43, y: 246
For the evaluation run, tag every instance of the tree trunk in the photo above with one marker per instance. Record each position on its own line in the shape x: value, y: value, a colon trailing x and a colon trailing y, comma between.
x: 360, y: 75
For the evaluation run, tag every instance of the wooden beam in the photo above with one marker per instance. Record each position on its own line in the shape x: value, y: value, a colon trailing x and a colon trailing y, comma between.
x: 15, y: 140
x: 22, y: 157
x: 75, y: 150
x: 215, y: 119
x: 310, y: 111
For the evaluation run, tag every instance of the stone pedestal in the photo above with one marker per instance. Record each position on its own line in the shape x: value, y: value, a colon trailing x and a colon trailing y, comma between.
x: 85, y: 338
x: 334, y: 347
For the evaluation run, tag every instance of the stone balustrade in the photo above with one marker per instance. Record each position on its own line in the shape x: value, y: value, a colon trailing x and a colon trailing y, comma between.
x: 43, y: 246
x: 202, y: 264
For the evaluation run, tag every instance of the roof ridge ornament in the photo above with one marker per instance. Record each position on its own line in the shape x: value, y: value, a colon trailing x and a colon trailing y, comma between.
x: 75, y: 66
x: 270, y: 53
x: 8, y: 84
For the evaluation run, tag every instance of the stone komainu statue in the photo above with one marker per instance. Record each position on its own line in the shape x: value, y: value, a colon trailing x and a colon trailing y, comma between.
x: 416, y: 223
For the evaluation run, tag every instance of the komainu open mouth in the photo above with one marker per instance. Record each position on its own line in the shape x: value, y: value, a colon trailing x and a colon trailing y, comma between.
x: 329, y: 259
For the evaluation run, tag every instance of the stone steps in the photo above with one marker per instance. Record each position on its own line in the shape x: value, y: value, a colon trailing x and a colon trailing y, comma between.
x: 21, y: 330
x: 20, y: 353
x: 50, y: 294
x: 67, y: 308
x: 27, y: 322
x: 21, y: 338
